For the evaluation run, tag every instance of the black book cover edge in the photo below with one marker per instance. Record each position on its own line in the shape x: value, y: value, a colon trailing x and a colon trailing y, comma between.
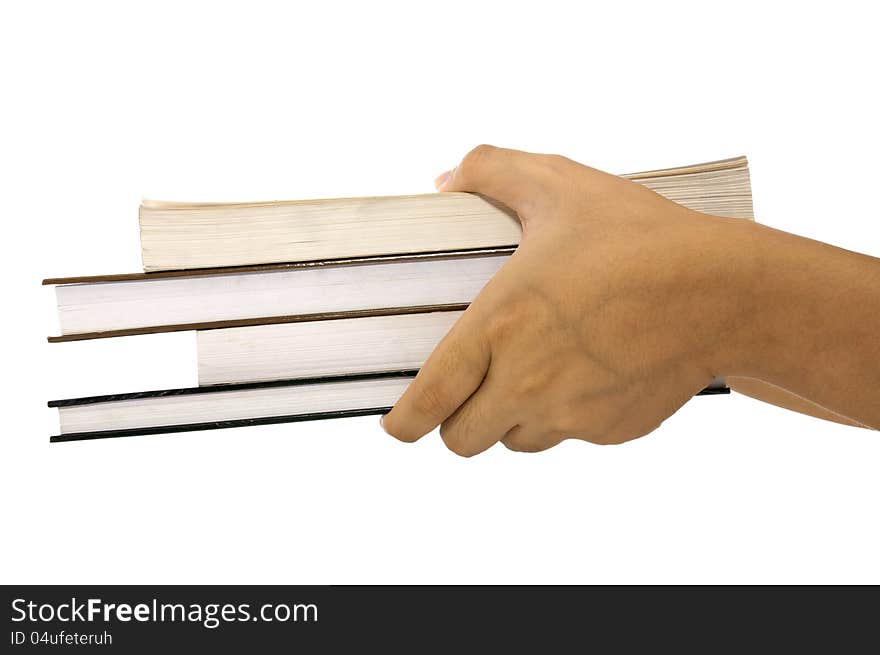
x: 245, y: 422
x: 216, y: 425
x: 240, y: 386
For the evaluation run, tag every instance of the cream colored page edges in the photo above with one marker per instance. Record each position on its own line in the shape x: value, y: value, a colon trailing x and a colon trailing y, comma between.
x: 324, y: 230
x: 255, y: 233
x: 734, y: 163
x: 314, y: 349
x: 232, y: 405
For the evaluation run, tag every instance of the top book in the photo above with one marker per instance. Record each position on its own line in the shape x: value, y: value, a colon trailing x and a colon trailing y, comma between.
x: 178, y: 236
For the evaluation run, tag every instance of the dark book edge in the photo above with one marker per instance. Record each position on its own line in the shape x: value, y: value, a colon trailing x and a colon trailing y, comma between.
x: 282, y: 266
x: 249, y: 322
x: 220, y: 388
x: 216, y: 425
x: 268, y: 384
x: 714, y: 391
x: 245, y: 422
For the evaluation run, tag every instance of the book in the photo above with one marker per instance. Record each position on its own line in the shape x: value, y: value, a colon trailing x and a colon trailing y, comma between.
x: 343, y: 346
x: 232, y: 406
x: 276, y: 373
x: 310, y: 309
x: 230, y: 296
x: 211, y: 408
x: 120, y: 305
x: 180, y: 235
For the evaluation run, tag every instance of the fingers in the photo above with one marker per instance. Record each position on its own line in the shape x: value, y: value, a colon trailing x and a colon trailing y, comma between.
x: 481, y: 421
x: 450, y: 375
x: 525, y: 440
x: 517, y: 179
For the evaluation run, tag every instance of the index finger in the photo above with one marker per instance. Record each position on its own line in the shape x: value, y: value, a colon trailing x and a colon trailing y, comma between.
x: 451, y: 374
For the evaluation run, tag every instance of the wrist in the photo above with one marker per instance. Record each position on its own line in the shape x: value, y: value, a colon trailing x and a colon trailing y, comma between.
x: 781, y: 295
x: 740, y: 261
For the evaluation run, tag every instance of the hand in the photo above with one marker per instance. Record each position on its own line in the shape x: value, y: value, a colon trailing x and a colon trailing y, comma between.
x: 616, y: 308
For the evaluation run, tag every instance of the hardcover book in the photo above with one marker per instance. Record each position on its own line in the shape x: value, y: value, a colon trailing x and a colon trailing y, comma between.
x: 232, y: 406
x: 352, y: 281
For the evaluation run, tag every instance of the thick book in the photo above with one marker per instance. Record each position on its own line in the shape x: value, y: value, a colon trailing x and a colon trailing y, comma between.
x: 344, y: 346
x: 178, y: 235
x: 229, y: 406
x: 204, y: 298
x: 121, y: 305
x: 211, y: 408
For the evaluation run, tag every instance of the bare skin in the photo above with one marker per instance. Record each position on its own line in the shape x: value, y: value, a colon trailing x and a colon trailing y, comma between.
x: 619, y: 305
x: 774, y: 395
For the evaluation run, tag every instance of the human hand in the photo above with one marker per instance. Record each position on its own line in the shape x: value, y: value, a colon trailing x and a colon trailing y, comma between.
x: 616, y: 308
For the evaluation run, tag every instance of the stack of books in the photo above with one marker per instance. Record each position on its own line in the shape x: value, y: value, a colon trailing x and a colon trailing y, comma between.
x: 309, y: 309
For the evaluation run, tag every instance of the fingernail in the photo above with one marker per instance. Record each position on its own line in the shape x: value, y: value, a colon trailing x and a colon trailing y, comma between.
x: 382, y: 423
x: 442, y: 180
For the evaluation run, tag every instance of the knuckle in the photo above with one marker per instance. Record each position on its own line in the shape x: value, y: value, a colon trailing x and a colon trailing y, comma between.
x: 513, y: 445
x: 455, y: 433
x: 576, y: 417
x: 456, y: 443
x: 589, y: 424
x: 528, y: 444
x: 530, y: 441
x: 429, y: 401
x: 475, y: 159
x: 448, y: 431
x: 514, y: 314
x: 554, y: 169
x: 595, y: 437
x: 534, y: 384
x: 518, y: 446
x: 603, y: 434
x: 502, y: 324
x: 463, y: 451
x: 481, y: 152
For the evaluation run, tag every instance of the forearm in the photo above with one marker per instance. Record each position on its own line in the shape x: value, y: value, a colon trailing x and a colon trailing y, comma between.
x: 769, y: 393
x: 811, y: 323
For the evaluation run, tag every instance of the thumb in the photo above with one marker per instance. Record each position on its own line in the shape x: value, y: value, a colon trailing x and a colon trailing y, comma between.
x: 515, y: 178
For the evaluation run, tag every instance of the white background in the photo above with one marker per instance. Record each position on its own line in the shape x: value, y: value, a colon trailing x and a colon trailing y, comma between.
x: 103, y: 103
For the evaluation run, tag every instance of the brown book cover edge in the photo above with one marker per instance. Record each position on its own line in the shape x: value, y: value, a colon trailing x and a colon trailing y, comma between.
x: 267, y: 320
x: 259, y: 268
